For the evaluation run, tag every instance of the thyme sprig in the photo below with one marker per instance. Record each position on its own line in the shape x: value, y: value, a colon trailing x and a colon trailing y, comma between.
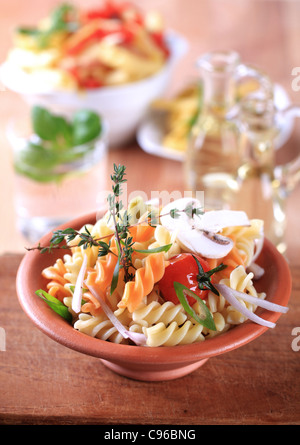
x: 66, y: 238
x: 189, y: 210
x: 121, y: 223
x: 67, y: 235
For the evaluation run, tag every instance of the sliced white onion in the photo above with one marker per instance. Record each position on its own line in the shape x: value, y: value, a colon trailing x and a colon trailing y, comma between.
x: 258, y: 248
x: 229, y: 295
x: 136, y: 337
x: 77, y: 296
x: 257, y: 301
x: 257, y: 270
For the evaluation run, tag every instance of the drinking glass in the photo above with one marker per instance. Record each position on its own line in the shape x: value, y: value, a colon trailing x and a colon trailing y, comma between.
x: 46, y: 196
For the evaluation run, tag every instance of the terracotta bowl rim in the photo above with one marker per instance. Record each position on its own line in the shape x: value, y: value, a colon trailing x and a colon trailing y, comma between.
x: 59, y: 330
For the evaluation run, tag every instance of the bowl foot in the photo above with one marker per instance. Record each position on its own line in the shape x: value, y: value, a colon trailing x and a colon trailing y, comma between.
x: 153, y: 375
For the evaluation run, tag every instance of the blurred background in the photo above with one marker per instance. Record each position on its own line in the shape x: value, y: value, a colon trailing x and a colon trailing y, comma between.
x: 265, y: 33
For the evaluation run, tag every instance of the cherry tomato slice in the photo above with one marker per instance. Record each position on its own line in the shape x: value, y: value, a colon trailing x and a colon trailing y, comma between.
x: 184, y: 269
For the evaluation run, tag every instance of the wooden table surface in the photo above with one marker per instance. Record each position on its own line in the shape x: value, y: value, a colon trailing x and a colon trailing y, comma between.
x: 42, y: 382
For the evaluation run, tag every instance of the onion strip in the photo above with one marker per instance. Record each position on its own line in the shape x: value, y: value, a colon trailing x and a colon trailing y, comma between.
x: 258, y: 302
x: 136, y: 337
x: 77, y: 296
x: 257, y: 271
x: 258, y: 248
x: 229, y: 295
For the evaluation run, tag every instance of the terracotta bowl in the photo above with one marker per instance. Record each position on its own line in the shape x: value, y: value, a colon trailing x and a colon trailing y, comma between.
x: 146, y: 363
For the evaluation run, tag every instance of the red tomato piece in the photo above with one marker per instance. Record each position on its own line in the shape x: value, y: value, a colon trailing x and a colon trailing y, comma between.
x: 107, y: 11
x: 114, y: 10
x: 159, y: 40
x: 183, y: 269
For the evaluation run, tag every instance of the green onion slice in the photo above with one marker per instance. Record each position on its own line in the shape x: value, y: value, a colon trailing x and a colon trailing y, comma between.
x: 115, y: 277
x: 155, y: 249
x: 55, y: 304
x: 207, y: 320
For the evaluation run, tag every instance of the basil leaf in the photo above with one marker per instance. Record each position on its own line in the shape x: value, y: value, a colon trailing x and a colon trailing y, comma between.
x: 51, y: 127
x: 43, y: 123
x: 28, y: 31
x: 55, y: 304
x: 58, y: 17
x: 207, y: 321
x: 57, y: 22
x: 37, y: 163
x: 58, y: 143
x: 35, y: 156
x: 64, y: 132
x: 86, y: 126
x: 155, y: 250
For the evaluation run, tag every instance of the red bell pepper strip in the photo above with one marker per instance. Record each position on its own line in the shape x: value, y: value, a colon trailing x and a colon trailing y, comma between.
x: 85, y: 82
x: 158, y: 38
x: 90, y: 83
x: 97, y: 35
x: 111, y: 10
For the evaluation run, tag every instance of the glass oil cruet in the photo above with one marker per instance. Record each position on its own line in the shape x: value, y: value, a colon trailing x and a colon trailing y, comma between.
x: 264, y: 186
x: 212, y: 156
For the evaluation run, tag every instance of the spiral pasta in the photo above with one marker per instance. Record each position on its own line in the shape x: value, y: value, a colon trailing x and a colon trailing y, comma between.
x: 73, y: 264
x: 98, y: 326
x: 244, y: 238
x: 241, y: 281
x: 137, y: 301
x: 100, y: 278
x: 56, y: 274
x: 136, y: 209
x: 154, y: 312
x: 164, y: 237
x: 173, y: 334
x: 145, y: 278
x: 103, y: 272
x: 100, y: 230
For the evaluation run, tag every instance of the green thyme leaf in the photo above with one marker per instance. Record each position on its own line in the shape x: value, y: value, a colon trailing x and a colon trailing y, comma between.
x: 104, y: 248
x: 55, y: 304
x: 69, y: 231
x: 207, y: 320
x: 190, y: 210
x: 174, y: 213
x: 153, y: 218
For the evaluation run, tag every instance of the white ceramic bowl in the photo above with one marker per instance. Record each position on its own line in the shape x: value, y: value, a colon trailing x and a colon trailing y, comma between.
x: 123, y: 106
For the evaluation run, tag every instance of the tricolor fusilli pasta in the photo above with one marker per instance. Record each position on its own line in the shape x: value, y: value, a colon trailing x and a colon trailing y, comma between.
x: 138, y: 303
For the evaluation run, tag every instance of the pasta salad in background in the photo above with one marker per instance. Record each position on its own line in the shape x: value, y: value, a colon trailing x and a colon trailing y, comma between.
x: 153, y: 276
x: 114, y: 44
